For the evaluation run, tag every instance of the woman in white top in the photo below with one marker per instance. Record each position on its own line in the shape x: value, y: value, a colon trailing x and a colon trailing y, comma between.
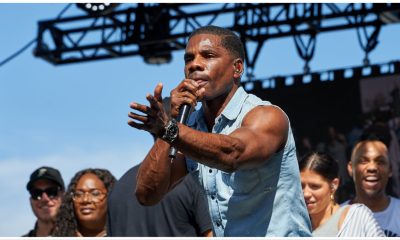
x: 319, y: 180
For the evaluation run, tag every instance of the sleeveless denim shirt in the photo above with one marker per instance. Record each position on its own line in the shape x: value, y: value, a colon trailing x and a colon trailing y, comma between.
x: 266, y: 201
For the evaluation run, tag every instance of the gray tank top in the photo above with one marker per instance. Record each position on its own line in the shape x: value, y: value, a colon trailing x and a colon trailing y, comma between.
x: 330, y: 227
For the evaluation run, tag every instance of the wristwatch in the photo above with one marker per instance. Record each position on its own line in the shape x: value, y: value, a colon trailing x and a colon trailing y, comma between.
x: 171, y: 132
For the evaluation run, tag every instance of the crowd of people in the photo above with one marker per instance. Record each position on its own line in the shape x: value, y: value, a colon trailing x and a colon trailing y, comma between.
x: 236, y: 171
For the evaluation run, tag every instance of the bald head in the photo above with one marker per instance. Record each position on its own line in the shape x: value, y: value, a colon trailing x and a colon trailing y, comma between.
x: 364, y: 147
x: 370, y: 169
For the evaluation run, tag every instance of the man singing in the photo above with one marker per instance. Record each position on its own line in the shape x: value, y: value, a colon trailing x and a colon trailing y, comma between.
x: 240, y: 147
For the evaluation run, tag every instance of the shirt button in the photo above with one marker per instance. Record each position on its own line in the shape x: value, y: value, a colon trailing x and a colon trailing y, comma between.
x: 210, y: 171
x: 212, y: 197
x: 218, y: 224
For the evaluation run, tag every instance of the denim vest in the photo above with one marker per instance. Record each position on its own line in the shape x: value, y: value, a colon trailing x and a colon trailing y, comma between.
x: 266, y: 201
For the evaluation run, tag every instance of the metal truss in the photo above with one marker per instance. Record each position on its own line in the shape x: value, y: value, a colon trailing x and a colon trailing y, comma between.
x: 153, y: 31
x: 359, y: 72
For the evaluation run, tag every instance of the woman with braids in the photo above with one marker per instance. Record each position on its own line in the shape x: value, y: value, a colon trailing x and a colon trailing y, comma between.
x: 83, y: 211
x: 319, y: 180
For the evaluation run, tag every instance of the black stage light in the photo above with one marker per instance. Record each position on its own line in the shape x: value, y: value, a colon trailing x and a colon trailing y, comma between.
x: 97, y: 9
x: 154, y: 48
x: 155, y: 54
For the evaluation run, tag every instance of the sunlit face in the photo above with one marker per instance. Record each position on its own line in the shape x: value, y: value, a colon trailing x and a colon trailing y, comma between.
x: 45, y: 208
x: 91, y: 204
x: 370, y: 169
x: 210, y: 64
x: 317, y: 192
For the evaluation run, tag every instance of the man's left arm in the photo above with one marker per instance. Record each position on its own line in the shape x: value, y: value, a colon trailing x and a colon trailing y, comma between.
x: 263, y: 132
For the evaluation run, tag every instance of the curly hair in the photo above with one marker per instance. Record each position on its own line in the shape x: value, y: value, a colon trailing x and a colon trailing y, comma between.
x: 66, y: 224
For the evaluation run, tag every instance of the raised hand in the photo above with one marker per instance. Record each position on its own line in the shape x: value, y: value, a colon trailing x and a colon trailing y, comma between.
x: 155, y: 116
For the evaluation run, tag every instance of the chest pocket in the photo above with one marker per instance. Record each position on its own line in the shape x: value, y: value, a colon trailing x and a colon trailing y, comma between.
x: 242, y: 182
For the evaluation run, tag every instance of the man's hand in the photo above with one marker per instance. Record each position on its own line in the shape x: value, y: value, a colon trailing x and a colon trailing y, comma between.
x: 155, y: 117
x: 187, y: 92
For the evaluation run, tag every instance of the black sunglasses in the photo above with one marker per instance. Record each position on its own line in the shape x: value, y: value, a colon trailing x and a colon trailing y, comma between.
x: 51, y: 192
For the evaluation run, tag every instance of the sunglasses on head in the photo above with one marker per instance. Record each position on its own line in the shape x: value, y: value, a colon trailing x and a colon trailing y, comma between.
x: 51, y: 192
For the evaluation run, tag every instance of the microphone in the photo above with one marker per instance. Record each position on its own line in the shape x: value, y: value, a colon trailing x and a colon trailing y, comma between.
x: 183, y: 116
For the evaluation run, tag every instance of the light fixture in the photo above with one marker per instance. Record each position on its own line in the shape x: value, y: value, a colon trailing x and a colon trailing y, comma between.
x: 157, y: 58
x: 154, y: 48
x: 97, y: 9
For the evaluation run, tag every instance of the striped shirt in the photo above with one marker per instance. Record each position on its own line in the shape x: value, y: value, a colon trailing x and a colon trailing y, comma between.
x: 388, y: 219
x: 359, y: 222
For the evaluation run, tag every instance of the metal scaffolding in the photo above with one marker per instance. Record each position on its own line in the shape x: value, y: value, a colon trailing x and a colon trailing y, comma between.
x: 153, y: 31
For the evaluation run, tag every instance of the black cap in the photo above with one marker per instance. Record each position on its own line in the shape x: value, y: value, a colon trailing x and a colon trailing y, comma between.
x: 47, y: 173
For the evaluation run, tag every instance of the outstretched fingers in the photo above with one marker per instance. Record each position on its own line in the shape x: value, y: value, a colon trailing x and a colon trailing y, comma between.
x: 151, y: 118
x: 136, y: 125
x: 142, y: 108
x: 137, y: 117
x: 154, y: 102
x: 158, y: 92
x: 140, y: 121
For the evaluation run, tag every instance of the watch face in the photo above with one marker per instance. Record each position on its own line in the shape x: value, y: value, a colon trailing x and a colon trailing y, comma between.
x: 171, y: 131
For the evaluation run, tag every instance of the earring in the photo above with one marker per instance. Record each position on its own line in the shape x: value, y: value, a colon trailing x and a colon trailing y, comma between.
x: 332, y: 203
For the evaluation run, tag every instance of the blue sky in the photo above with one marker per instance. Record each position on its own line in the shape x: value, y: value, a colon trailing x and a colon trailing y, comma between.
x: 74, y: 116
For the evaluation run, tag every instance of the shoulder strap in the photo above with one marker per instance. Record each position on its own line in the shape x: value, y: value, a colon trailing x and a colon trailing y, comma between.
x: 343, y: 215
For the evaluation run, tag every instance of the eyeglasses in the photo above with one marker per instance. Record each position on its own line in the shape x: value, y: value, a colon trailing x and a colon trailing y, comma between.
x: 51, y: 192
x: 94, y: 194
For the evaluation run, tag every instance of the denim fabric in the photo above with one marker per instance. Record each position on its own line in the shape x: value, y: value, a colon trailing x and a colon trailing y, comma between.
x: 266, y: 201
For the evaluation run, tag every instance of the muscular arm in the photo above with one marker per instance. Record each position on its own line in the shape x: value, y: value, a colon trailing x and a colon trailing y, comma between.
x: 158, y: 173
x: 263, y: 132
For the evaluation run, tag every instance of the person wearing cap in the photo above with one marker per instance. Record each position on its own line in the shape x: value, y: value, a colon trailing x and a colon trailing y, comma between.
x: 46, y: 188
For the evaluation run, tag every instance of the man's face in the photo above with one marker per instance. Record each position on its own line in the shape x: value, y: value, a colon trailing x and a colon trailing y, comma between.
x: 370, y: 169
x: 46, y: 206
x: 210, y: 65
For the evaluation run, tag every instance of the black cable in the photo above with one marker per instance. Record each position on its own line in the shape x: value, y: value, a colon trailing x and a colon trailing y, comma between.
x: 32, y: 41
x: 18, y: 52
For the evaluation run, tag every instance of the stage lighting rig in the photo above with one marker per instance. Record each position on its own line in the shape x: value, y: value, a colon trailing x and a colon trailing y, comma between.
x: 154, y: 31
x: 97, y: 9
x: 155, y: 47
